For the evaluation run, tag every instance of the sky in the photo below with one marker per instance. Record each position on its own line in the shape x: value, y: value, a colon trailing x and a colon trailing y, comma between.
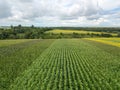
x: 77, y: 13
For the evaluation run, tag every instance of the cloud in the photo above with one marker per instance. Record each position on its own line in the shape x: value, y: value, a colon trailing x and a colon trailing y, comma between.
x: 5, y: 9
x: 53, y: 8
x: 109, y: 4
x: 59, y: 11
x: 26, y: 1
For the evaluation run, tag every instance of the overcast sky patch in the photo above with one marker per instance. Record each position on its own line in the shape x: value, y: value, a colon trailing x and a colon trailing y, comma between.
x: 60, y: 12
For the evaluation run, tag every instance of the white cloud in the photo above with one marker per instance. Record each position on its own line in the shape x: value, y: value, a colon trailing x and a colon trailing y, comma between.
x: 109, y: 4
x: 5, y: 9
x: 60, y: 12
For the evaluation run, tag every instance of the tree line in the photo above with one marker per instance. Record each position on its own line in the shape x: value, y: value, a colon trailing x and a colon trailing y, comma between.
x: 22, y: 32
x: 32, y: 32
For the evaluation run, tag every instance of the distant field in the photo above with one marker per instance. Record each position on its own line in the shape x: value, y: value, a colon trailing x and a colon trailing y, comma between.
x: 60, y: 64
x: 12, y: 42
x: 110, y: 41
x: 57, y: 31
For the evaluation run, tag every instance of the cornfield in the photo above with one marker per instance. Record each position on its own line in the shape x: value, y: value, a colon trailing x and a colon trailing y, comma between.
x: 65, y: 64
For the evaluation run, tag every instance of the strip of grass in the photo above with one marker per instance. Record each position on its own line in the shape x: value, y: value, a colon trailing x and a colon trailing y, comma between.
x: 110, y: 41
x: 57, y: 31
x: 106, y: 47
x: 10, y: 49
x: 4, y: 43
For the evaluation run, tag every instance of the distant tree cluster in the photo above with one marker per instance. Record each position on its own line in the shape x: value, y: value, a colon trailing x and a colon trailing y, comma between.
x: 21, y: 32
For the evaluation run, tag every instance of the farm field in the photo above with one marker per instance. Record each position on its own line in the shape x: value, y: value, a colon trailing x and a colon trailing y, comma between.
x: 16, y: 58
x: 110, y: 41
x: 60, y: 64
x: 57, y: 31
x: 12, y: 42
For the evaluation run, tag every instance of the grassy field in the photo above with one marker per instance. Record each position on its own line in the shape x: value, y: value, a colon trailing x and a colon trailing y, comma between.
x: 110, y: 41
x: 12, y: 42
x: 57, y: 31
x: 16, y: 58
x: 61, y: 64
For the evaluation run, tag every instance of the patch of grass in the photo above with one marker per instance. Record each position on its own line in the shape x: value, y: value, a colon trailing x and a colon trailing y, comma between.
x: 4, y: 43
x: 110, y: 41
x: 57, y: 31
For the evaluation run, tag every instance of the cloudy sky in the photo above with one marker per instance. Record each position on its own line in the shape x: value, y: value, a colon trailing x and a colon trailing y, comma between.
x: 60, y: 12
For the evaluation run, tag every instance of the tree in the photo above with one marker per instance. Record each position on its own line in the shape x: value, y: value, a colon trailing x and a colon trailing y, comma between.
x: 12, y: 27
x: 75, y: 35
x: 19, y: 25
x: 28, y: 35
x: 4, y: 35
x: 32, y: 26
x: 106, y: 35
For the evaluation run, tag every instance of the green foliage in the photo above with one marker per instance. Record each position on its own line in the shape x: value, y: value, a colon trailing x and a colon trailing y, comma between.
x: 26, y: 32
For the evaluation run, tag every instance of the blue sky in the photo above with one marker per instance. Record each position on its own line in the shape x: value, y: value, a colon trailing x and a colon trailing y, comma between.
x: 60, y: 12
